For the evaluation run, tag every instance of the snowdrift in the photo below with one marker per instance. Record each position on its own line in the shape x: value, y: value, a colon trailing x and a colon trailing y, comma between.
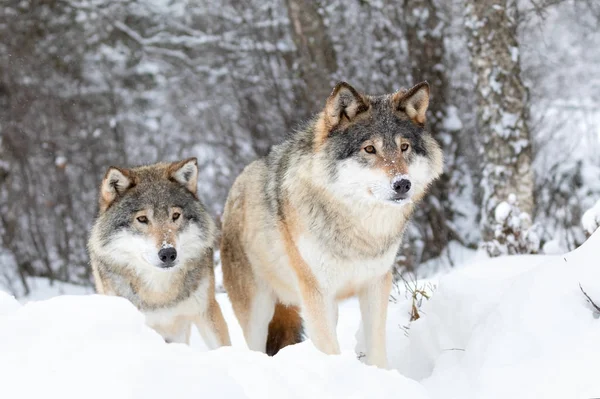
x: 99, y: 347
x: 512, y: 327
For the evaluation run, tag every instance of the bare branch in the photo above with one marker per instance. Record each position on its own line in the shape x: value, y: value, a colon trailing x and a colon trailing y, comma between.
x: 589, y: 299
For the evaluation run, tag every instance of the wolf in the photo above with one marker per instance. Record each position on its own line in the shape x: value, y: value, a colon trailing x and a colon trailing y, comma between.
x: 152, y: 243
x: 321, y: 217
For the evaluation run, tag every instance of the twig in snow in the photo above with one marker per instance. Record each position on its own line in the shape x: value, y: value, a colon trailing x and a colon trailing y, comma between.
x: 589, y: 299
x: 417, y: 293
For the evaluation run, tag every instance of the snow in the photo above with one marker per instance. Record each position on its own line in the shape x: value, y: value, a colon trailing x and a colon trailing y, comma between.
x: 100, y: 347
x: 60, y: 161
x: 502, y: 212
x: 553, y: 247
x: 591, y: 218
x: 514, y: 54
x: 452, y: 121
x: 513, y: 232
x: 8, y: 303
x: 519, y: 145
x: 454, y: 256
x: 516, y: 327
x: 507, y: 327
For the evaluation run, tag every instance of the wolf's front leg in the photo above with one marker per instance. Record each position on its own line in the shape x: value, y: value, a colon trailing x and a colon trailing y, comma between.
x: 320, y: 314
x: 373, y: 300
x: 212, y: 326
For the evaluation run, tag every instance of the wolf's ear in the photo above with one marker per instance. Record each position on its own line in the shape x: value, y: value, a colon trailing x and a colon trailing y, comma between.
x: 413, y: 102
x: 186, y: 173
x: 344, y: 103
x: 116, y: 181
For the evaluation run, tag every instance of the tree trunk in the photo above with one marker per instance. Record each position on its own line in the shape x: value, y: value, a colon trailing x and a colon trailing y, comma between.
x: 316, y: 55
x: 502, y: 108
x: 425, y: 30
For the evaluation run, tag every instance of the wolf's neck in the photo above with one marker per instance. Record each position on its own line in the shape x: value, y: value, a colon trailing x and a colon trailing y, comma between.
x: 150, y: 289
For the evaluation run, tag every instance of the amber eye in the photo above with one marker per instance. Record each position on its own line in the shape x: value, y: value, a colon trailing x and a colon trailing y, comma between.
x: 370, y: 149
x: 404, y: 147
x: 176, y: 216
x: 142, y: 219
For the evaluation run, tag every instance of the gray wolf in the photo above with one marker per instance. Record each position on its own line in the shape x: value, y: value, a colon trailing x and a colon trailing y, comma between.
x: 321, y: 217
x: 152, y: 243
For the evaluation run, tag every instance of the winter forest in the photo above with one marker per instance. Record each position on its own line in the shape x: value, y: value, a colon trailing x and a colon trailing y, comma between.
x: 85, y: 84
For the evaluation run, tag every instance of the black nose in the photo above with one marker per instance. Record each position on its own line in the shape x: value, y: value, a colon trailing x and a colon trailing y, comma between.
x: 167, y: 255
x: 401, y: 186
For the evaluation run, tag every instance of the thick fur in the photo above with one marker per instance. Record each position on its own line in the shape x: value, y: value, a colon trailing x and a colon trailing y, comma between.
x: 285, y: 328
x: 124, y: 252
x: 319, y: 220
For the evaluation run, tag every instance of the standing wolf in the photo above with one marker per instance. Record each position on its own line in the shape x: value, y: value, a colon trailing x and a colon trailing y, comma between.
x: 321, y: 218
x: 153, y: 244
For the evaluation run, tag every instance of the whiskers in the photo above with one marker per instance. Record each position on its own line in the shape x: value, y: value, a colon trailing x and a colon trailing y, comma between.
x: 381, y: 191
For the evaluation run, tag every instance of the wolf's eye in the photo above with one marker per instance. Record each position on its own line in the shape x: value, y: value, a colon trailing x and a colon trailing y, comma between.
x: 176, y: 216
x: 142, y: 219
x: 370, y: 149
x: 404, y: 147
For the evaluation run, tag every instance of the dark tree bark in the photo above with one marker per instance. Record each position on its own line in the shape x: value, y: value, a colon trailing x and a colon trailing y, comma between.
x: 316, y: 55
x: 425, y: 28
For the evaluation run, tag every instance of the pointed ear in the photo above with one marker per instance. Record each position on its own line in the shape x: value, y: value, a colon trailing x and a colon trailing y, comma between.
x: 186, y: 173
x: 116, y: 181
x: 344, y: 103
x: 413, y: 102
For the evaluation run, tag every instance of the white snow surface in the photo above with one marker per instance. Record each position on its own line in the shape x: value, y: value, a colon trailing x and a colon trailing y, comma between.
x: 99, y: 347
x: 509, y: 327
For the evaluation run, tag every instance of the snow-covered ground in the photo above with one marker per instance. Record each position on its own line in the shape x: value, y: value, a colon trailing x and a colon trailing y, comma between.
x: 512, y: 327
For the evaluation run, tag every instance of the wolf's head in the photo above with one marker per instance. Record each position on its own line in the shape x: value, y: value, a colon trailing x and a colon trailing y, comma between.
x: 376, y: 148
x: 150, y: 216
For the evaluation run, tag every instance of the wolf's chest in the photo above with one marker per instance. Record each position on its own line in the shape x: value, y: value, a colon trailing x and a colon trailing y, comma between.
x: 337, y: 272
x: 191, y: 306
x: 157, y: 290
x: 347, y: 233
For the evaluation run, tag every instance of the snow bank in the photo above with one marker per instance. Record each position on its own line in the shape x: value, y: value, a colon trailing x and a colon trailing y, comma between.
x: 7, y: 303
x: 512, y: 327
x: 99, y: 347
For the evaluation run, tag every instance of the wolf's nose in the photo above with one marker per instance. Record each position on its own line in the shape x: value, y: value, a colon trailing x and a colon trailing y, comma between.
x: 401, y: 186
x: 167, y: 255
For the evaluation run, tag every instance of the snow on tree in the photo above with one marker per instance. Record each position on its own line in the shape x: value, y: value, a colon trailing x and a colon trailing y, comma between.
x: 591, y: 219
x: 425, y: 26
x: 502, y: 108
x: 513, y: 231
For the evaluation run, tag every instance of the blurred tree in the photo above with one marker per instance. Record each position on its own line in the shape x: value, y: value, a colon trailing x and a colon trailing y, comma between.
x: 316, y: 56
x: 502, y: 107
x: 425, y: 27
